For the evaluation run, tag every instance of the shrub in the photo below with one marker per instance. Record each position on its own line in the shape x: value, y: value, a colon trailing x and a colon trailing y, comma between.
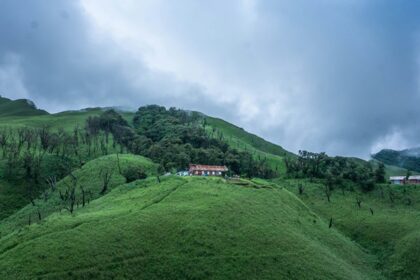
x: 134, y: 173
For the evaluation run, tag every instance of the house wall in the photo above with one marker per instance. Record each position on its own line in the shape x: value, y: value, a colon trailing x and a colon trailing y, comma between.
x: 206, y: 173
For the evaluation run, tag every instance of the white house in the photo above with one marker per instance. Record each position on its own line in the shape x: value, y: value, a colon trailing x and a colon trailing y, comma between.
x: 397, y: 180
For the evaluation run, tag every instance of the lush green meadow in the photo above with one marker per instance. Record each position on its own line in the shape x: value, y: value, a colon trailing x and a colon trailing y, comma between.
x: 387, y: 223
x: 185, y: 228
x: 102, y: 208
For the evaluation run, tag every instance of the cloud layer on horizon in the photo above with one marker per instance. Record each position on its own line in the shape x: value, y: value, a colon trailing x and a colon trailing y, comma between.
x: 334, y: 76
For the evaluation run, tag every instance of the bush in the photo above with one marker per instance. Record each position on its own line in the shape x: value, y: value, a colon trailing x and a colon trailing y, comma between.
x: 368, y: 185
x: 134, y: 173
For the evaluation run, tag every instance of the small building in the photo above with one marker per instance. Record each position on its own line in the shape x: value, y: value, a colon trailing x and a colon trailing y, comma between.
x: 207, y: 170
x: 414, y: 180
x: 397, y: 180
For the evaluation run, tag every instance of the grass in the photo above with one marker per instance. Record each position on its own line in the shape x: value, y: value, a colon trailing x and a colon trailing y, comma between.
x: 185, y: 228
x: 240, y: 139
x: 20, y: 107
x: 11, y: 197
x: 89, y: 177
x: 392, y: 170
x: 67, y: 120
x: 203, y: 228
x: 392, y: 232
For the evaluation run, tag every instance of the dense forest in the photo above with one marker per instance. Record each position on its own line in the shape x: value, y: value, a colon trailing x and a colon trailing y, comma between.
x: 175, y: 138
x: 335, y: 170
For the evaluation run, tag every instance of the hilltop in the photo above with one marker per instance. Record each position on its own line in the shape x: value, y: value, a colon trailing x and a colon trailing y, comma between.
x: 19, y: 107
x: 408, y: 159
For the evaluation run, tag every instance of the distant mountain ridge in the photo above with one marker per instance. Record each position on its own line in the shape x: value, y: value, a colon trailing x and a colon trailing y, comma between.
x: 19, y: 107
x: 407, y: 159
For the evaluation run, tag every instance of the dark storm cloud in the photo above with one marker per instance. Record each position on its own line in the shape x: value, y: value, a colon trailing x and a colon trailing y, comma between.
x: 49, y: 54
x: 334, y: 76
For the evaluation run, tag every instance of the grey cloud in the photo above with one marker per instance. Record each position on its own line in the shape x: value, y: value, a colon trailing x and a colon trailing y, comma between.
x: 334, y: 76
x: 63, y: 65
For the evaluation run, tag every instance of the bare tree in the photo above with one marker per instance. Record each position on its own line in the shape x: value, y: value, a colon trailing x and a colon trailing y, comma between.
x: 301, y: 189
x: 118, y: 163
x: 359, y: 202
x: 52, y: 182
x: 69, y: 197
x: 327, y: 191
x: 83, y: 195
x: 106, y: 176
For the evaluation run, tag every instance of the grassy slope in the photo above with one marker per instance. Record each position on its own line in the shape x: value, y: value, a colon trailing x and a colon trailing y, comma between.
x: 89, y: 177
x: 20, y: 107
x: 195, y: 228
x: 392, y: 170
x: 242, y: 140
x: 11, y: 198
x: 405, y: 159
x: 392, y: 232
x: 67, y: 120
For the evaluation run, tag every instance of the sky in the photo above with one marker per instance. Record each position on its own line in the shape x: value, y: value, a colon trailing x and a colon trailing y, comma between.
x: 335, y: 76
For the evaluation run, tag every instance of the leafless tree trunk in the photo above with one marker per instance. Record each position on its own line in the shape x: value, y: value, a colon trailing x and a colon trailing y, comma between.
x: 106, y: 175
x: 359, y: 202
x: 327, y: 191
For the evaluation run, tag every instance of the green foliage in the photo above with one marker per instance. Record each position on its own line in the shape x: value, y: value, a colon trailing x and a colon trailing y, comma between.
x: 380, y: 173
x: 87, y: 180
x: 272, y: 155
x: 134, y: 173
x: 334, y: 169
x: 195, y: 228
x: 404, y: 159
x: 386, y: 224
x: 174, y: 138
x: 20, y: 107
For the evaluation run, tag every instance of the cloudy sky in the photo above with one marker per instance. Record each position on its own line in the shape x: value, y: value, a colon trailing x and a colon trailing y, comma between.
x: 341, y: 76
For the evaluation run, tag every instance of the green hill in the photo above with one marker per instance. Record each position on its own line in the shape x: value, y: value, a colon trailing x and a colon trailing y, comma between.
x: 185, y: 228
x: 170, y: 227
x: 20, y: 107
x: 406, y: 159
x: 239, y: 138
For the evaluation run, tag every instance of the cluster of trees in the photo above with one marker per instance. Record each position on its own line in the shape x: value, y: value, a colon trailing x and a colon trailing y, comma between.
x: 36, y: 156
x: 175, y: 138
x: 335, y: 170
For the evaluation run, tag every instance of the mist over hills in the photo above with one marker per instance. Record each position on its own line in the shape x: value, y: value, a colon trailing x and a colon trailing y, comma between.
x: 408, y: 159
x: 92, y: 194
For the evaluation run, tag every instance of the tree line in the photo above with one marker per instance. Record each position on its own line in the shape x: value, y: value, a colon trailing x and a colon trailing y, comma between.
x: 335, y: 170
x: 36, y: 156
x: 175, y: 138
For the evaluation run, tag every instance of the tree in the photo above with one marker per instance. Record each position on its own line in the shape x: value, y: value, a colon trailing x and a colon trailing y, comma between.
x: 380, y: 173
x: 359, y: 202
x: 68, y: 198
x: 408, y: 174
x: 105, y: 175
x: 134, y: 173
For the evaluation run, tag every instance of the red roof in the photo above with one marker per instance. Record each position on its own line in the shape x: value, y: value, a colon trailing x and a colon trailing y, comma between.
x: 201, y: 167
